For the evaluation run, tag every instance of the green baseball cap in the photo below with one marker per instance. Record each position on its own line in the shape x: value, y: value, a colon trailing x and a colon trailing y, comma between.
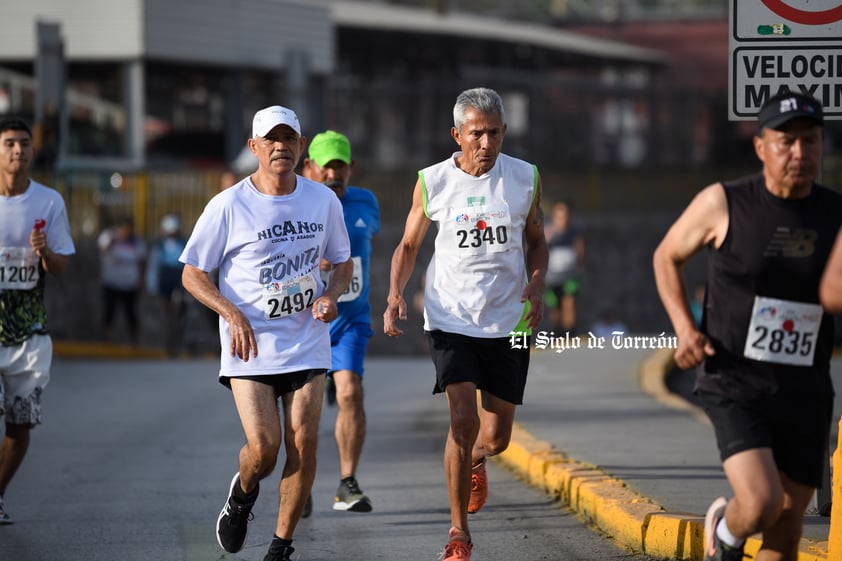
x: 328, y: 146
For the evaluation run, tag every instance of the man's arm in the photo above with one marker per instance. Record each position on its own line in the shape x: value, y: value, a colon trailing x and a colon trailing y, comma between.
x: 704, y: 221
x: 52, y: 262
x: 324, y: 308
x: 198, y: 283
x: 537, y: 255
x: 403, y: 262
x: 830, y: 289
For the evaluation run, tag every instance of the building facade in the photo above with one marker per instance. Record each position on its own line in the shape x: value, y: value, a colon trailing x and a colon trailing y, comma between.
x: 162, y: 83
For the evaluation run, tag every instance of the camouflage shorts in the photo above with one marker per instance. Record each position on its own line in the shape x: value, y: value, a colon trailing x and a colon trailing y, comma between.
x: 24, y: 371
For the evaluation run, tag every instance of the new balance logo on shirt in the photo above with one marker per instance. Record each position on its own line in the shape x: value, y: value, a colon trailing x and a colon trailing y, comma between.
x: 787, y: 242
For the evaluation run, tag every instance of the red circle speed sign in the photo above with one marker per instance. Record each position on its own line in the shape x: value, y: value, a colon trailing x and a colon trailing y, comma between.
x: 802, y: 16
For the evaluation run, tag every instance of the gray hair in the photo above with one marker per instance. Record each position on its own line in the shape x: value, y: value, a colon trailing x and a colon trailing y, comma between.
x: 484, y: 100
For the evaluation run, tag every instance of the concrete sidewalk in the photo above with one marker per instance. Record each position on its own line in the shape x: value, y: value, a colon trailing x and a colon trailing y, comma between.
x: 599, y: 429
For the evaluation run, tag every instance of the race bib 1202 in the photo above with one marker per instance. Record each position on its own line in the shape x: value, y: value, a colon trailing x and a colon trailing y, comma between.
x: 18, y: 268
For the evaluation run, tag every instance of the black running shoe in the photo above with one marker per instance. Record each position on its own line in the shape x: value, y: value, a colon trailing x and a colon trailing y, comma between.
x: 350, y: 497
x: 279, y: 552
x: 232, y: 525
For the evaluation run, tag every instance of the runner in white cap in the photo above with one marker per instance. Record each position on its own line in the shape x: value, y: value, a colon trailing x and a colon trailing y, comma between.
x: 267, y: 235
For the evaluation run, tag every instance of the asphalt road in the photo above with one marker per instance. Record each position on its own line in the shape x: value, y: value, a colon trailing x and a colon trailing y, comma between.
x: 134, y: 459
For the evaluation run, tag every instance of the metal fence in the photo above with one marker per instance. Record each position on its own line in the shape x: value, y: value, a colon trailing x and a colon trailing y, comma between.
x: 97, y: 199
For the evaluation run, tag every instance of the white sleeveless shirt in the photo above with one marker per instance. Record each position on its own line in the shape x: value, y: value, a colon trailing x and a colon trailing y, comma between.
x: 478, y: 271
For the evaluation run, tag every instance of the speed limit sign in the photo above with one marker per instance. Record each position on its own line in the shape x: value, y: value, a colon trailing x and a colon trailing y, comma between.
x: 793, y: 45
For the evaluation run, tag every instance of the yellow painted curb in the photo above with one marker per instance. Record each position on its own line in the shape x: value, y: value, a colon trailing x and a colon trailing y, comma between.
x: 88, y: 349
x: 835, y: 544
x: 631, y: 519
x: 600, y: 499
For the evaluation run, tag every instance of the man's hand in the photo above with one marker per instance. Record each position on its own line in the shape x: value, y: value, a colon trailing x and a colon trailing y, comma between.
x: 534, y: 293
x: 395, y: 310
x: 693, y: 349
x: 38, y: 240
x: 243, y: 343
x: 324, y: 309
x: 197, y: 282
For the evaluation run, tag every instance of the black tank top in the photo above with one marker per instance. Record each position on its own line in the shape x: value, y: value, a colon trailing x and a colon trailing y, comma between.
x: 775, y: 248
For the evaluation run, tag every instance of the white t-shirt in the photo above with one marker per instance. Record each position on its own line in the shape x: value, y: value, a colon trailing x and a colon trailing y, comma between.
x: 267, y: 249
x: 18, y: 215
x: 477, y: 275
x: 22, y: 309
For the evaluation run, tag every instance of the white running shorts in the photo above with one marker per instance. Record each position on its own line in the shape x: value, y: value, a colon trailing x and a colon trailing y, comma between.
x: 24, y: 372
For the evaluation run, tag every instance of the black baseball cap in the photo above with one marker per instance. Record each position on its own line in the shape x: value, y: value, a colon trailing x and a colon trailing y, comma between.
x: 785, y: 106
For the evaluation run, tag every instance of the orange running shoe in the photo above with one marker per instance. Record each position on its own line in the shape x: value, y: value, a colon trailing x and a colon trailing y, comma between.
x: 458, y: 548
x: 479, y: 487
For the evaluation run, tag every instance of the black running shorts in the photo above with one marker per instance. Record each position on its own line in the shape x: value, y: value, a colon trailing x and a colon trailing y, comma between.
x: 490, y: 364
x: 795, y: 426
x: 282, y: 383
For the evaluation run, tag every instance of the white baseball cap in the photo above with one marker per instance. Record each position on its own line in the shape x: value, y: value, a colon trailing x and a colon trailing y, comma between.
x: 269, y: 118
